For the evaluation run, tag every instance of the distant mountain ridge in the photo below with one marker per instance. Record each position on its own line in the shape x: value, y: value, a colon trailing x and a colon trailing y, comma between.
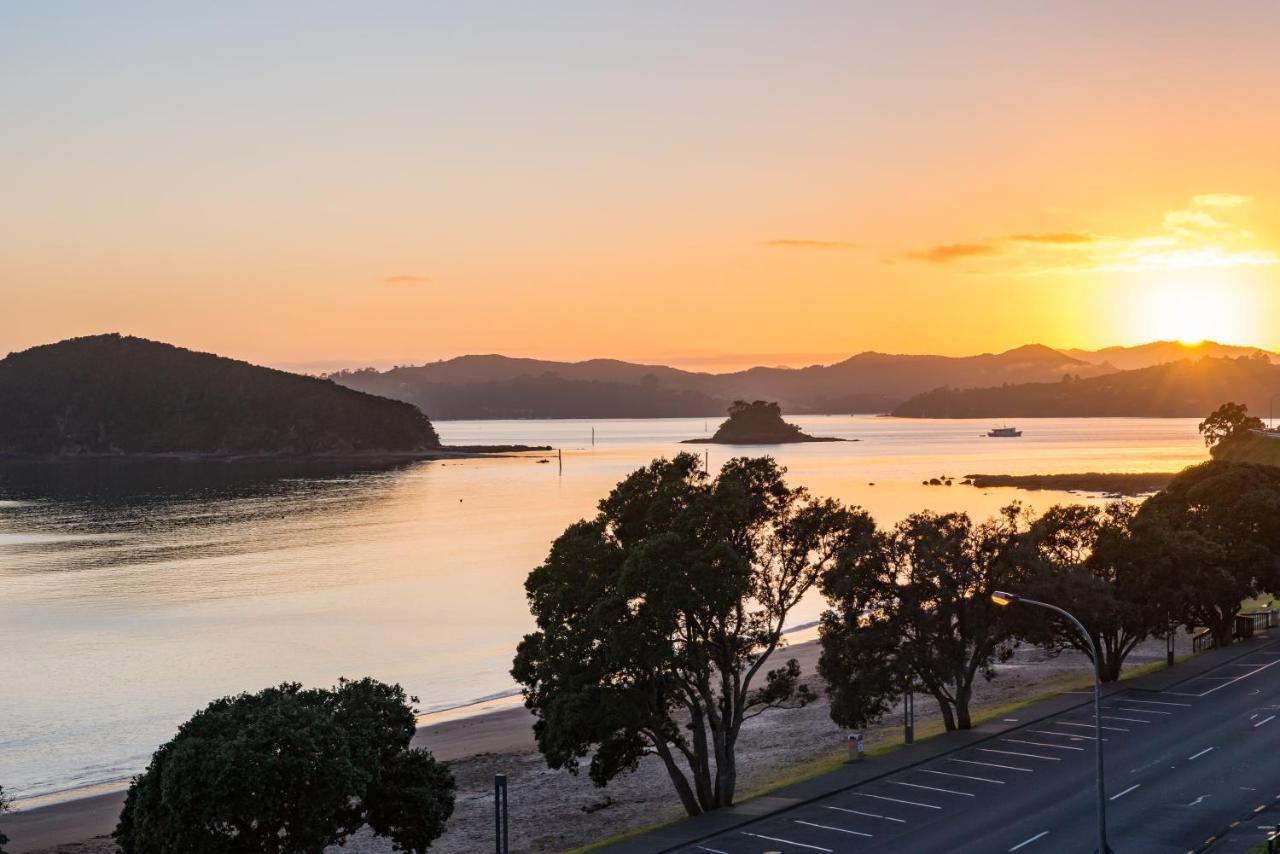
x: 117, y: 396
x: 1163, y: 352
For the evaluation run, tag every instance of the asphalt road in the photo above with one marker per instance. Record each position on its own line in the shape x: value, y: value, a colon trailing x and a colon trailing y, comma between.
x: 1181, y: 765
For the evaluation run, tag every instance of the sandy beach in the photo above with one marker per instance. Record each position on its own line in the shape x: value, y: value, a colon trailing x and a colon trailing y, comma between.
x: 557, y: 811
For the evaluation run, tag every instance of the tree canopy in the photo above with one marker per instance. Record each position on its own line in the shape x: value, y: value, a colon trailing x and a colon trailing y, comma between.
x: 1229, y: 421
x: 656, y: 618
x: 4, y: 808
x: 289, y: 771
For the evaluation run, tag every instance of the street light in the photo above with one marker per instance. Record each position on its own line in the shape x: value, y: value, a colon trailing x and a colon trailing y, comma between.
x: 1002, y: 598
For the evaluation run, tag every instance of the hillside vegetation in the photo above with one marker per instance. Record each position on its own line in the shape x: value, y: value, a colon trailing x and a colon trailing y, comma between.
x: 1249, y: 449
x: 116, y: 395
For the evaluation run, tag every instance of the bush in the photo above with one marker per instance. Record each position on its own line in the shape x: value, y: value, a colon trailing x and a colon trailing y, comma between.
x: 291, y: 771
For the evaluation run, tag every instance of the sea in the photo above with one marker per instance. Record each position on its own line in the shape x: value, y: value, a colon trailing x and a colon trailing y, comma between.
x: 133, y: 593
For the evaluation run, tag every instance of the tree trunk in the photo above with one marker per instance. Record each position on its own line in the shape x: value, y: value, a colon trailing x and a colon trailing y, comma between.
x: 687, y: 797
x: 948, y: 717
x: 726, y: 777
x: 962, y: 710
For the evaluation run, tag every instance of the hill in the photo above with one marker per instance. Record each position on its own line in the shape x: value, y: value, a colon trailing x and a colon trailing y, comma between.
x: 1251, y: 448
x: 758, y: 423
x: 1163, y: 352
x: 1187, y: 388
x: 501, y: 387
x: 116, y: 395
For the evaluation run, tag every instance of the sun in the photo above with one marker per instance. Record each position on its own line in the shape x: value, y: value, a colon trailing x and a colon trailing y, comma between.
x: 1192, y: 311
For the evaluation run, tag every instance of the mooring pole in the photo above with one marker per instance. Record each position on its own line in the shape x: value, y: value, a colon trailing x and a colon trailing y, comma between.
x: 500, y: 813
x: 560, y: 459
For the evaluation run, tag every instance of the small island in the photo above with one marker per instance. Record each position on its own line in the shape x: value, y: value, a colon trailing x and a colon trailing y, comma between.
x: 1107, y: 483
x: 758, y: 423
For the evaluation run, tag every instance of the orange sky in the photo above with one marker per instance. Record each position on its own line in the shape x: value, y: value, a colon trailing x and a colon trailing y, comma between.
x: 318, y: 185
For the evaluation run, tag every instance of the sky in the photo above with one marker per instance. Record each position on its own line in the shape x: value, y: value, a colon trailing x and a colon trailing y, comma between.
x: 315, y: 185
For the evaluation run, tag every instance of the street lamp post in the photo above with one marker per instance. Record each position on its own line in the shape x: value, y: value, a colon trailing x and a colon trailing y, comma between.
x: 1002, y: 598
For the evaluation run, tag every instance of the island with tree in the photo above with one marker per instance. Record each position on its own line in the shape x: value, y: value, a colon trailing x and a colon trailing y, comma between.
x: 758, y: 423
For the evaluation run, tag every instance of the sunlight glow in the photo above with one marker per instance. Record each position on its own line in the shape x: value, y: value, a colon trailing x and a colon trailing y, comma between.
x: 1192, y: 311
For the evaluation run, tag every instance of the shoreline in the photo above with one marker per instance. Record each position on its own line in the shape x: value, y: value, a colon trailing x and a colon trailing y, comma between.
x: 444, y: 452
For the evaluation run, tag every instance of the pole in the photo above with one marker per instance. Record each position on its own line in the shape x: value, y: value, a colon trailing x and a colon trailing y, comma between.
x: 1169, y: 644
x: 560, y: 458
x: 500, y: 813
x: 1097, y: 717
x: 909, y: 717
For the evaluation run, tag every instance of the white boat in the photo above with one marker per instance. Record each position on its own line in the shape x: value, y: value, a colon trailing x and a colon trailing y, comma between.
x: 1003, y: 433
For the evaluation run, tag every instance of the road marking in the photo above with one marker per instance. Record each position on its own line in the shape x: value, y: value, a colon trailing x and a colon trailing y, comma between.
x: 962, y: 776
x: 931, y: 788
x: 1039, y: 835
x: 989, y: 764
x: 1160, y: 703
x: 1130, y: 720
x: 712, y: 850
x: 1238, y: 678
x: 898, y: 801
x: 829, y: 827
x: 1119, y: 795
x: 1042, y: 744
x: 1143, y: 711
x: 1016, y: 753
x: 1092, y: 726
x: 1198, y: 755
x: 867, y: 814
x: 787, y: 842
x: 1197, y: 800
x: 1064, y: 734
x: 1263, y: 721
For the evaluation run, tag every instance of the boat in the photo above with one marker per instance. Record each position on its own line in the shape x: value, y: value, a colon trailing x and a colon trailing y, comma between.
x: 1003, y: 433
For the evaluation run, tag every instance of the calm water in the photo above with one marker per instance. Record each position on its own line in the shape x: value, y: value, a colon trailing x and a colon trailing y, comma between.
x: 133, y: 594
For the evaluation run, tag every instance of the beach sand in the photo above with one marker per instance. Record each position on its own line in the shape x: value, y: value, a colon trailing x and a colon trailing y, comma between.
x: 557, y: 811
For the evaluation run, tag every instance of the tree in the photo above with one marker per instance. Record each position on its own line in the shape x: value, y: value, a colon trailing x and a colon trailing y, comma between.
x: 1228, y: 421
x: 291, y: 771
x: 656, y: 618
x: 4, y: 808
x: 1212, y: 537
x: 912, y: 605
x: 1083, y: 558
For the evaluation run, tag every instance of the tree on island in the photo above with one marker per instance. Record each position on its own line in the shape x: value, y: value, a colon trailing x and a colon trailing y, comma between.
x: 656, y: 618
x: 911, y: 606
x: 290, y: 771
x: 757, y: 423
x: 1229, y: 421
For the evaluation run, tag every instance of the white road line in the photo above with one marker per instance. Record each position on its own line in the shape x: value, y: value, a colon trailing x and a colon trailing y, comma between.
x: 1160, y: 703
x: 829, y: 827
x: 1041, y: 744
x: 961, y: 776
x: 1092, y: 726
x: 1064, y: 734
x: 867, y: 814
x: 989, y: 764
x: 1198, y: 755
x: 1119, y: 795
x: 1130, y: 720
x: 931, y: 788
x: 1039, y: 835
x: 1223, y: 677
x: 786, y: 841
x: 1143, y: 711
x: 712, y: 850
x: 1016, y: 753
x: 898, y: 801
x: 1263, y: 721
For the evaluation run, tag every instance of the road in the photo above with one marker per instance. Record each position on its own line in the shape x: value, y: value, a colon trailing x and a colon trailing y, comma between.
x: 1182, y: 765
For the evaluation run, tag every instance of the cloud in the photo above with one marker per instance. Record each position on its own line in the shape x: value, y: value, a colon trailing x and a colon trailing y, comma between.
x: 1059, y: 238
x: 953, y: 252
x: 809, y: 244
x: 1219, y: 200
x: 1194, y: 219
x: 407, y: 279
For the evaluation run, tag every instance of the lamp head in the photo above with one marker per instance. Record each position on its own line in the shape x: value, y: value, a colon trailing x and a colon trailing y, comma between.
x: 1002, y: 598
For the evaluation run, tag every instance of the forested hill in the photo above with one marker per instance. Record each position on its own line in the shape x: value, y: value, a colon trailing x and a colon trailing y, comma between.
x: 1187, y: 388
x: 110, y: 394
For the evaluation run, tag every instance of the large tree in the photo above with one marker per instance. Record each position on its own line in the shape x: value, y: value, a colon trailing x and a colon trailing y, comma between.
x: 4, y: 808
x: 657, y: 617
x: 289, y: 771
x: 1085, y: 559
x: 1228, y: 421
x: 1211, y: 539
x: 912, y: 605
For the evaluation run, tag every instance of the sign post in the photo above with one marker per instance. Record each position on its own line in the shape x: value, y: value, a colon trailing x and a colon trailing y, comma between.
x: 500, y: 812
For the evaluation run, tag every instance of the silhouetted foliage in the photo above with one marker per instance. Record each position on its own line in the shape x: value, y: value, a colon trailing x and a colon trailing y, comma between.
x: 758, y: 423
x: 912, y: 604
x: 109, y: 394
x: 289, y: 771
x: 4, y: 808
x: 1211, y: 539
x: 1228, y: 422
x: 656, y: 618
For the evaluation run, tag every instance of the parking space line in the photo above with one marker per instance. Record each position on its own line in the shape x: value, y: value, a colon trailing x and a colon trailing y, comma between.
x: 898, y: 801
x: 961, y: 776
x: 930, y: 788
x: 1119, y: 718
x: 1143, y: 711
x: 787, y: 842
x: 1092, y: 726
x: 1065, y: 734
x: 1016, y: 753
x: 1263, y: 721
x: 989, y: 764
x: 1041, y: 744
x: 1119, y: 795
x: 1039, y: 835
x: 1198, y: 755
x: 1157, y: 703
x: 712, y: 850
x: 830, y: 827
x: 867, y: 814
